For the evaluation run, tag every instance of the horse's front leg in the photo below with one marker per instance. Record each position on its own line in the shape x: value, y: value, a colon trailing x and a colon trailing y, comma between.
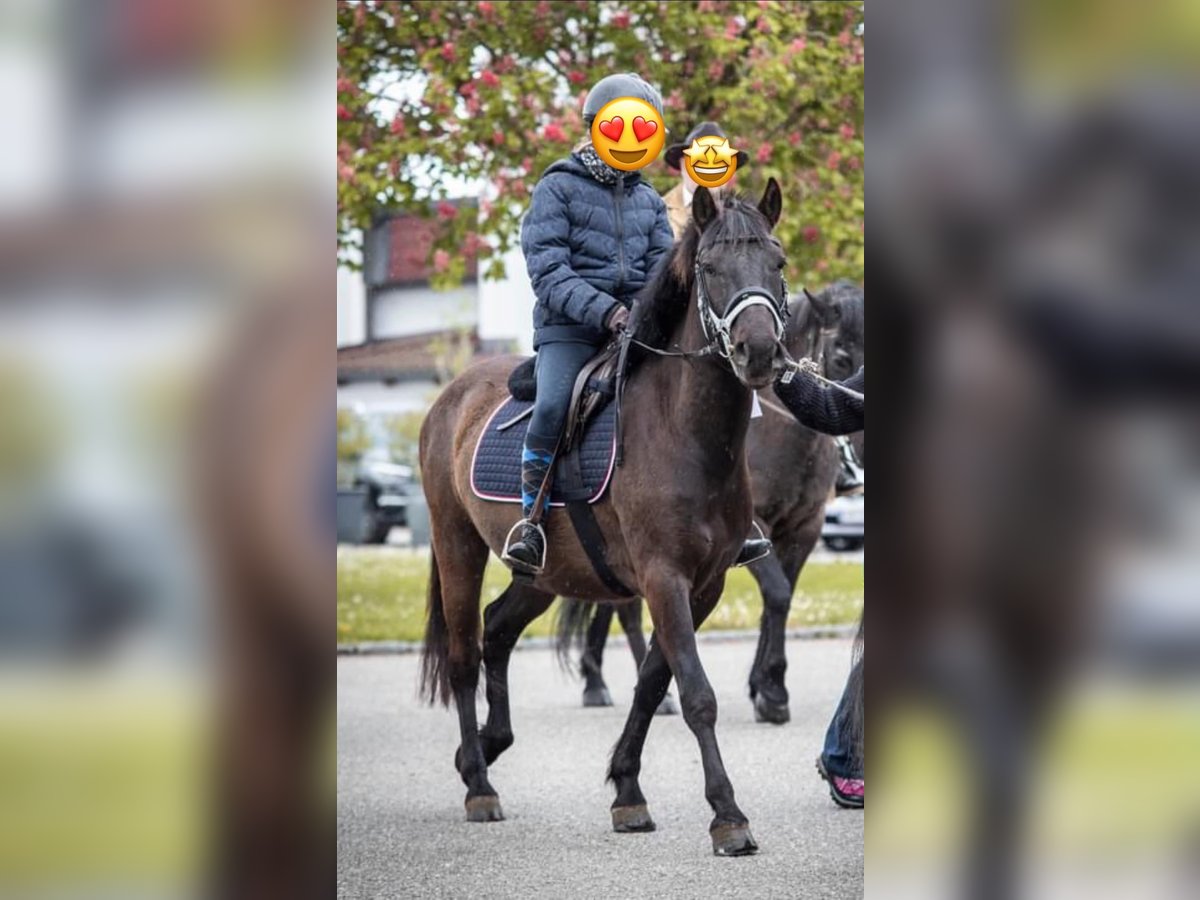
x: 676, y: 615
x: 629, y: 811
x: 630, y: 615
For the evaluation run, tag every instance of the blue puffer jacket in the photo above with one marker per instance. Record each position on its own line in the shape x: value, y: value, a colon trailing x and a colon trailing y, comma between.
x: 589, y: 246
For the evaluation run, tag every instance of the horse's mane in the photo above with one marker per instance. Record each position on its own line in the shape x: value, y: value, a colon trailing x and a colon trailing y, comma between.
x: 662, y: 304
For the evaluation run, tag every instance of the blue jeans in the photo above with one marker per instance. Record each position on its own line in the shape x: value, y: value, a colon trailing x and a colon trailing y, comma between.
x: 557, y: 367
x: 840, y: 753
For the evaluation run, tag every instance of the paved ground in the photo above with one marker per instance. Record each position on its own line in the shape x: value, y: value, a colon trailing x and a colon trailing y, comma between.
x: 401, y: 827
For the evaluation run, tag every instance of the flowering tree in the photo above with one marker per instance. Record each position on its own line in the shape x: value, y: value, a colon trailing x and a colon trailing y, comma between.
x: 434, y: 95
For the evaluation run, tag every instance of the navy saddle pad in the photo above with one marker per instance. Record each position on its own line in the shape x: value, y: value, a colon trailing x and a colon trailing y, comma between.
x: 496, y: 466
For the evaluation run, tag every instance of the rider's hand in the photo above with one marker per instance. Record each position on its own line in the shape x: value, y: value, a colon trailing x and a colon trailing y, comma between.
x: 618, y: 318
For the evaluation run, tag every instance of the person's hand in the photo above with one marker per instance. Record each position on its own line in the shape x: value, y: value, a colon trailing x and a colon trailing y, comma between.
x: 618, y: 318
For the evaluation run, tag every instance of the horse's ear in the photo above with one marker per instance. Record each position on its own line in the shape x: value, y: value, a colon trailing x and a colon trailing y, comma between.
x: 704, y: 208
x: 771, y: 204
x: 825, y: 308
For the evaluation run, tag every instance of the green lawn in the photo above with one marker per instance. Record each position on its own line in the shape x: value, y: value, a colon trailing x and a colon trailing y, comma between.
x: 381, y: 596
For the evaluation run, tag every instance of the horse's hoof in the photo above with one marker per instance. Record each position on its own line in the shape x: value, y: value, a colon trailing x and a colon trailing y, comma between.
x: 733, y: 840
x: 766, y: 711
x: 484, y: 809
x: 597, y: 696
x: 627, y: 819
x: 668, y: 706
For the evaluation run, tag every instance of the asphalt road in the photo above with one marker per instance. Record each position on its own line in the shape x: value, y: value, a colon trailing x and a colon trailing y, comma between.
x: 402, y: 831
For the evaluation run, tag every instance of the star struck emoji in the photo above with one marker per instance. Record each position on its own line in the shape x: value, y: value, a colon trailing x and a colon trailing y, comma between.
x: 710, y: 161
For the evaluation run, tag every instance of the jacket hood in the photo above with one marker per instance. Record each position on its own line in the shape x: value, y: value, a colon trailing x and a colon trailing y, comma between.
x: 572, y: 165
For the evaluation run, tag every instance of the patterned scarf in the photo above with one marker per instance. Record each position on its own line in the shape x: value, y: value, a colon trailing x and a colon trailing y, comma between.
x: 597, y: 168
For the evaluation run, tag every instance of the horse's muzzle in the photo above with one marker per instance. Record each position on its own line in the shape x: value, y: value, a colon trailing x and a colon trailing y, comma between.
x: 758, y: 361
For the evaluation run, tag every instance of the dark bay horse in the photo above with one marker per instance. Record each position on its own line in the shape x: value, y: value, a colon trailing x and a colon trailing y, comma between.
x: 674, y: 517
x: 792, y: 470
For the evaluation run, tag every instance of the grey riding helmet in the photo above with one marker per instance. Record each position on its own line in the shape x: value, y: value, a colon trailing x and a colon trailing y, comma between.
x: 613, y: 87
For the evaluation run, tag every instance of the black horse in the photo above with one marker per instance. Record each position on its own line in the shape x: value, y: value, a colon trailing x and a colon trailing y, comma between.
x: 673, y: 522
x: 792, y: 471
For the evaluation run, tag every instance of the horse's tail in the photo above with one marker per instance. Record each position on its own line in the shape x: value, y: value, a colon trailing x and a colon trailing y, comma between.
x: 855, y: 688
x: 570, y: 628
x: 435, y: 671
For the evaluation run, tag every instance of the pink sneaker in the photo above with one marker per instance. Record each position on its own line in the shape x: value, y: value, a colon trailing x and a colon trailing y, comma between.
x: 848, y: 793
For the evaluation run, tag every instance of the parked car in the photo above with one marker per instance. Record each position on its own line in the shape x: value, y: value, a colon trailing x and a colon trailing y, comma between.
x: 389, y: 487
x: 844, y: 520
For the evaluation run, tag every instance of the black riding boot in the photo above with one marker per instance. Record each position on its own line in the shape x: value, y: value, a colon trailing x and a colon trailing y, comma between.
x: 755, y: 548
x: 526, y: 547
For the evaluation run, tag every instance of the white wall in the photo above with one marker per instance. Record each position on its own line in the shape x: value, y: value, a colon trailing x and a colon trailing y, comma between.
x: 351, y: 308
x: 375, y: 397
x: 403, y: 311
x: 506, y: 307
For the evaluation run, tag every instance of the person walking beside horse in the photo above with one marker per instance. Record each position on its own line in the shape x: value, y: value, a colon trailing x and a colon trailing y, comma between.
x: 836, y: 408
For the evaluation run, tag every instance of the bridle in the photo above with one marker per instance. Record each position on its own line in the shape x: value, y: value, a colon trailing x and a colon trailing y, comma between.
x: 718, y: 329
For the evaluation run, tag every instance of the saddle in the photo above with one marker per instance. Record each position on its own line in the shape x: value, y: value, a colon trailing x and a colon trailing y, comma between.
x: 595, y: 388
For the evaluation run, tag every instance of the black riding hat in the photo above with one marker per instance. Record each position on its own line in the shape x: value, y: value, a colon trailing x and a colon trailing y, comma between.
x: 674, y: 153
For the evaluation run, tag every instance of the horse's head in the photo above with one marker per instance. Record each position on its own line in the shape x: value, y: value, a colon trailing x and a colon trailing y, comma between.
x: 829, y: 327
x: 740, y: 291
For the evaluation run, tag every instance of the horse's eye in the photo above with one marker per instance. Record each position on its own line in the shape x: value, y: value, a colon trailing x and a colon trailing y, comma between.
x: 779, y: 265
x: 708, y: 268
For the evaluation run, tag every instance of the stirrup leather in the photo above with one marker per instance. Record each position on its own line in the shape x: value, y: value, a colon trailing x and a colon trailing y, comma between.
x: 517, y: 564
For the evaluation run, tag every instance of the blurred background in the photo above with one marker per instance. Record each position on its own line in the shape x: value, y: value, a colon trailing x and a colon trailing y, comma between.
x: 163, y: 185
x: 1034, y: 572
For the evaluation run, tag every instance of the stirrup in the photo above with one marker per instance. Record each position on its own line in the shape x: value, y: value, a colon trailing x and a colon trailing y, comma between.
x: 518, y: 565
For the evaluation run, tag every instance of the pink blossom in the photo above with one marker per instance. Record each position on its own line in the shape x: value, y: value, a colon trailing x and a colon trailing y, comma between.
x: 489, y: 78
x: 706, y: 6
x: 794, y: 138
x: 844, y: 39
x: 346, y: 172
x: 822, y: 265
x: 446, y: 210
x: 732, y: 27
x: 441, y: 261
x: 715, y: 69
x: 554, y: 132
x: 467, y: 89
x: 764, y: 4
x: 448, y: 51
x: 853, y: 162
x: 473, y: 105
x: 764, y: 153
x: 397, y: 126
x: 811, y: 233
x: 620, y: 19
x: 543, y: 9
x: 576, y: 77
x: 497, y: 137
x: 763, y: 25
x: 799, y: 45
x: 343, y: 113
x: 346, y: 86
x: 486, y: 9
x: 847, y: 131
x: 833, y: 160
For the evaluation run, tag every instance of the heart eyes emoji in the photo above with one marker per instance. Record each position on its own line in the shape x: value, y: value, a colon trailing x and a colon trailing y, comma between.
x: 628, y: 133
